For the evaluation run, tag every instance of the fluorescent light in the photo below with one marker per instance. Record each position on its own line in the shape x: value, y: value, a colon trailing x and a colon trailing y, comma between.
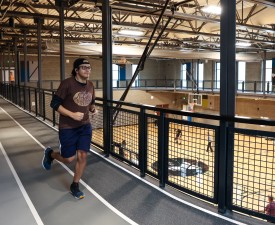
x: 264, y: 117
x: 212, y: 9
x: 243, y: 44
x: 87, y: 43
x: 131, y: 32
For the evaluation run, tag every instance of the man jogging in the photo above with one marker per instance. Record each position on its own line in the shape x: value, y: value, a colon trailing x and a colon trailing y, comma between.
x: 74, y: 100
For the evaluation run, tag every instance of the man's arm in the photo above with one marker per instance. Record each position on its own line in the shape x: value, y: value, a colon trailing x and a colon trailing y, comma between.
x: 56, y: 104
x: 92, y: 109
x: 74, y: 115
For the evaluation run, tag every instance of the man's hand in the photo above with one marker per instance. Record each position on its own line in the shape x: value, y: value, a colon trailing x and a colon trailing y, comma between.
x: 77, y: 116
x: 92, y: 109
x: 95, y: 111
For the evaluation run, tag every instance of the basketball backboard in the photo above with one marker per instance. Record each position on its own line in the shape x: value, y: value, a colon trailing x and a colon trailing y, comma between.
x: 195, y: 98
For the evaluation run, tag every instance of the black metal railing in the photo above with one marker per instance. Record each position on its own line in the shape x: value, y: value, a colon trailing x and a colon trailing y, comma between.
x: 175, y: 84
x: 179, y: 152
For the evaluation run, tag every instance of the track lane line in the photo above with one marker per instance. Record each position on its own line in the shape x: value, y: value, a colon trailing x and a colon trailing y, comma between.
x: 22, y: 189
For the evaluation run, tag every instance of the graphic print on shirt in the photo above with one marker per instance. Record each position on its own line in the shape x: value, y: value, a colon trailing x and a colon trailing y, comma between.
x: 83, y: 98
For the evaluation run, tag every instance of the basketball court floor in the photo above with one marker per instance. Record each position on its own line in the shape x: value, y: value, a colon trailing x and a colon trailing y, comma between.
x: 31, y: 195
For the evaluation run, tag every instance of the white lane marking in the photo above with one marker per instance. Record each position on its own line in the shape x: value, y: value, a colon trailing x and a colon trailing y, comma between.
x: 81, y: 181
x: 22, y: 189
x: 168, y: 194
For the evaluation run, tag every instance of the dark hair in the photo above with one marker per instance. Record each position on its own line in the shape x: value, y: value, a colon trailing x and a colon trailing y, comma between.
x: 77, y: 63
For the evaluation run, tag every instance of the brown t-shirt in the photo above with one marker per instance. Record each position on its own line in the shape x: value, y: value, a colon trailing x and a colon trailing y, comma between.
x: 76, y: 98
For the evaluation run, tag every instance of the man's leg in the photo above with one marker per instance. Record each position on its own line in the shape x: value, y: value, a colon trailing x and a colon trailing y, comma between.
x: 58, y: 157
x: 79, y: 168
x: 80, y: 165
x: 208, y: 146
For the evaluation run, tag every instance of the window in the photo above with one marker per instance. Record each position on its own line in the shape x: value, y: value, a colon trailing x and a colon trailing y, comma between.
x: 241, y: 74
x: 115, y: 74
x: 217, y: 75
x: 136, y: 82
x: 268, y: 74
x: 200, y: 72
x: 183, y: 75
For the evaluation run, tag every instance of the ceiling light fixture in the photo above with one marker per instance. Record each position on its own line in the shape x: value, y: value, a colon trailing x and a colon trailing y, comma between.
x: 243, y: 44
x: 212, y: 9
x: 87, y: 43
x: 131, y: 32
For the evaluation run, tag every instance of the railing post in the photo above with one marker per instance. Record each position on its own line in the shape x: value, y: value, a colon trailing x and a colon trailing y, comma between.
x: 161, y: 150
x: 29, y: 100
x: 243, y: 86
x: 255, y: 86
x: 24, y: 94
x: 267, y: 87
x: 44, y: 104
x: 35, y: 99
x: 19, y: 96
x: 53, y: 112
x: 142, y: 156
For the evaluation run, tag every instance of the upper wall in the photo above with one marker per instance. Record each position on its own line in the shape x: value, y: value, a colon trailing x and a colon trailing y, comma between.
x: 253, y: 71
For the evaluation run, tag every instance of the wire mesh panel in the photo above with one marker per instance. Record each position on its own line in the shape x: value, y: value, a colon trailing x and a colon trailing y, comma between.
x: 254, y: 169
x: 125, y: 136
x: 191, y: 154
x: 152, y: 144
x: 97, y: 126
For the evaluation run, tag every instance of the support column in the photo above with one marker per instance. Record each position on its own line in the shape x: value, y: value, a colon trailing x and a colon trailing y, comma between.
x: 227, y: 102
x: 9, y: 62
x: 1, y: 63
x: 61, y: 5
x: 107, y: 74
x: 3, y: 67
x: 263, y: 73
x: 39, y: 21
x: 26, y: 78
x: 16, y: 63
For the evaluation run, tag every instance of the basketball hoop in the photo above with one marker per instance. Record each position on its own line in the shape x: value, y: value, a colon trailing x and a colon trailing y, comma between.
x: 191, y: 106
x: 195, y: 98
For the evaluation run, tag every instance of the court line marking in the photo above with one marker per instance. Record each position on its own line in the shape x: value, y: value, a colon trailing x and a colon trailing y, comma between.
x: 100, y: 198
x: 147, y: 182
x: 22, y: 189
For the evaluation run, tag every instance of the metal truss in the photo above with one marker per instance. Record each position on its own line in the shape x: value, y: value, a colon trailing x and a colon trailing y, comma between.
x: 189, y: 29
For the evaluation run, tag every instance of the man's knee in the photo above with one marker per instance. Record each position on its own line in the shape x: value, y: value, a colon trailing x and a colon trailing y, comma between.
x: 69, y: 160
x: 81, y: 156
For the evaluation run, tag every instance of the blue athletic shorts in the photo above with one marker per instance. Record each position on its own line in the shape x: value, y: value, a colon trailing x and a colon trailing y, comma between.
x: 75, y: 139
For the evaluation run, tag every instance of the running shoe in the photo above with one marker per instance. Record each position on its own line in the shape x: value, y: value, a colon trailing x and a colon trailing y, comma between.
x: 76, y: 192
x: 47, y: 159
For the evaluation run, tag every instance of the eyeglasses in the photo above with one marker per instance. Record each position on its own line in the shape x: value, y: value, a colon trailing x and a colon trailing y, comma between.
x: 85, y: 67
